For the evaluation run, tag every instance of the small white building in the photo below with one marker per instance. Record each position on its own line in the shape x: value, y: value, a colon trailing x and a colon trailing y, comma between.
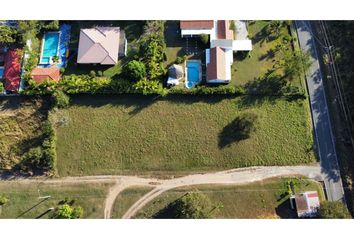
x: 307, y: 204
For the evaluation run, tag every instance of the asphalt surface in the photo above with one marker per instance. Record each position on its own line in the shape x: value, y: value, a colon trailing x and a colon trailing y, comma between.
x: 320, y: 116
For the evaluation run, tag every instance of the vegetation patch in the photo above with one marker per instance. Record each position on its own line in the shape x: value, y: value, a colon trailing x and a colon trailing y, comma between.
x: 28, y: 200
x: 25, y: 138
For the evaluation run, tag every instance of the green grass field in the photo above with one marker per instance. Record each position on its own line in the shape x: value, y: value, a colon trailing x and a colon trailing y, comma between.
x: 20, y: 128
x: 266, y: 199
x: 22, y: 197
x: 127, y: 198
x: 177, y: 135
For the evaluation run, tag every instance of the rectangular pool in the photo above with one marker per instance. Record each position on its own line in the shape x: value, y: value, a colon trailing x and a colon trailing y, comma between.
x: 50, y: 47
x: 193, y: 73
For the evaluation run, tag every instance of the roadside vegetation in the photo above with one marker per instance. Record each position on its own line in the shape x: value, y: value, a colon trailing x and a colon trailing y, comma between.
x: 266, y: 199
x: 28, y: 200
x: 25, y: 137
x: 175, y: 135
x: 340, y: 34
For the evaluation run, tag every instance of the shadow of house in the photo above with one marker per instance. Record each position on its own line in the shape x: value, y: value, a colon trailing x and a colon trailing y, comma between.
x: 284, y: 210
x: 239, y: 129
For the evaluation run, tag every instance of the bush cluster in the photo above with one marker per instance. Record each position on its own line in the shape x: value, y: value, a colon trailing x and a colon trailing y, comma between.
x: 42, y: 158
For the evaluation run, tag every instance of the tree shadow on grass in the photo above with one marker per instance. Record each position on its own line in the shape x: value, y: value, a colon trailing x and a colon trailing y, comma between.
x: 239, y: 129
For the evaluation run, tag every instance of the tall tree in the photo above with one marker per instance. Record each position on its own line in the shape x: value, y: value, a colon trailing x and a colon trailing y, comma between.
x: 8, y: 35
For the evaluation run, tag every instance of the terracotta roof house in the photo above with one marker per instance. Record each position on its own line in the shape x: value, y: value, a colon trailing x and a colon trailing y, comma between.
x: 224, y: 31
x: 218, y: 65
x: 197, y: 27
x: 306, y: 204
x: 39, y: 75
x: 101, y: 45
x: 12, y: 70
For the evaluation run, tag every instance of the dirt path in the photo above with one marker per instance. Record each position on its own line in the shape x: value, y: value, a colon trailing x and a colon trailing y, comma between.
x: 233, y: 176
x: 237, y: 176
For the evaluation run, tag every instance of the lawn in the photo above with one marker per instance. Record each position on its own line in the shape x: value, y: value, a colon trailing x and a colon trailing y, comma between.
x: 22, y: 197
x: 247, y: 69
x: 266, y: 199
x: 181, y: 134
x: 20, y: 128
x: 127, y: 198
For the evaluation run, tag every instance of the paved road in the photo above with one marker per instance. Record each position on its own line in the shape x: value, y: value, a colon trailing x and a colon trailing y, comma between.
x: 320, y: 116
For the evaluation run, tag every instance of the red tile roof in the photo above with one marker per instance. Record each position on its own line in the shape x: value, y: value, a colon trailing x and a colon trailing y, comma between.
x: 41, y: 74
x: 224, y: 31
x: 216, y: 66
x: 312, y: 195
x: 12, y: 70
x: 197, y: 24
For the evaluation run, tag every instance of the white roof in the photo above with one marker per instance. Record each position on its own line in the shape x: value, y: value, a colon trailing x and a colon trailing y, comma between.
x: 242, y: 45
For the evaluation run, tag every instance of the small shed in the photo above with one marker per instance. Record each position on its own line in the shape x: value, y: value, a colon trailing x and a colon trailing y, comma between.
x: 306, y: 204
x: 175, y: 73
x: 39, y: 75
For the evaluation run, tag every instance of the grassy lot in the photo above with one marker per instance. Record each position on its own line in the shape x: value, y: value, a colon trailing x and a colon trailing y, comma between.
x: 127, y: 198
x: 266, y: 199
x: 20, y: 128
x: 247, y: 69
x: 140, y: 135
x: 23, y: 197
x: 133, y: 31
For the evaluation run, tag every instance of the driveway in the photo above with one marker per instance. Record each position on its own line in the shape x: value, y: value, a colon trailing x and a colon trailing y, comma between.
x: 320, y: 116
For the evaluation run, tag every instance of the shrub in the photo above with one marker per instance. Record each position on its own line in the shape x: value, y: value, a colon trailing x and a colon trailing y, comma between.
x: 134, y: 70
x: 204, y: 38
x: 206, y: 90
x: 180, y: 59
x: 193, y: 205
x: 92, y: 73
x: 62, y: 70
x: 66, y: 211
x: 100, y: 73
x: 60, y: 99
x: 2, y: 89
x: 147, y: 87
x: 333, y: 210
x: 3, y: 200
x: 8, y: 35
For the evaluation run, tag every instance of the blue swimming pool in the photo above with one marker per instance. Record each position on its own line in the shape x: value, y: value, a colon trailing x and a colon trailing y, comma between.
x: 1, y: 71
x: 49, y: 47
x: 193, y: 73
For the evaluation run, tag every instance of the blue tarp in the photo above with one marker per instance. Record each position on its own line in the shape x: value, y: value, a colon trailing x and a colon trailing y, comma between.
x: 64, y: 43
